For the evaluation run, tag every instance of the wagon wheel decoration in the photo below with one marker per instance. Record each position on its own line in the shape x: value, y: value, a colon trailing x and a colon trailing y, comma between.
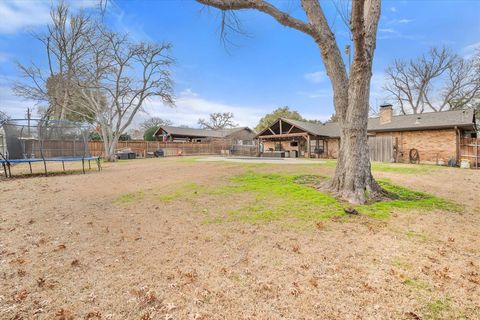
x: 414, y: 156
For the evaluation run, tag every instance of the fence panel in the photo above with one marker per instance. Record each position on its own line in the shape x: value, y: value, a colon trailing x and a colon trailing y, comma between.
x: 146, y: 148
x: 470, y: 150
x: 381, y: 148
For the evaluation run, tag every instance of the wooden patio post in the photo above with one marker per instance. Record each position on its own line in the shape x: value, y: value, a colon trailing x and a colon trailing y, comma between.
x: 308, y: 146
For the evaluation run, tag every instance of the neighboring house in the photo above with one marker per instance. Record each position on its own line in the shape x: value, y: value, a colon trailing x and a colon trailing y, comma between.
x: 236, y: 136
x: 435, y: 136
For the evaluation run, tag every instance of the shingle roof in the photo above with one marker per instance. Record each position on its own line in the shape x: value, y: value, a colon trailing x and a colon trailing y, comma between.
x: 432, y: 120
x: 328, y: 129
x: 200, y: 133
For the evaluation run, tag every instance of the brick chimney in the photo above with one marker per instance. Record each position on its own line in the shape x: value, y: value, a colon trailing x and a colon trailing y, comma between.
x: 386, y: 113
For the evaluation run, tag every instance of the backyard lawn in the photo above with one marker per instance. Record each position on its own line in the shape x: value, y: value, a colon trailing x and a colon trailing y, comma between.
x: 190, y: 238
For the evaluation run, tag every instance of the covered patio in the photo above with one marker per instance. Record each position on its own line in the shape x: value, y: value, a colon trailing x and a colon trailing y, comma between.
x: 288, y: 138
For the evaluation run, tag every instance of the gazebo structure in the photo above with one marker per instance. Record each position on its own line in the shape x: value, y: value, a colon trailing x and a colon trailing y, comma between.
x: 292, y: 138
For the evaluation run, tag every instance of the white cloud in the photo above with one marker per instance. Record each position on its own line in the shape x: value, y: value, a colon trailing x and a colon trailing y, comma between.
x: 12, y: 105
x: 315, y: 77
x: 387, y: 30
x: 404, y: 21
x: 469, y: 51
x: 319, y: 93
x: 19, y: 15
x: 393, y: 9
x: 190, y: 106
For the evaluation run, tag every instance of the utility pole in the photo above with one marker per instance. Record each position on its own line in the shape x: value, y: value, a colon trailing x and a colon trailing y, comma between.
x: 349, y: 54
x: 29, y: 117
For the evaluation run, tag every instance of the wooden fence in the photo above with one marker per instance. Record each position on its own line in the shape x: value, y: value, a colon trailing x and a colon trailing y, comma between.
x: 381, y: 148
x: 146, y: 148
x: 470, y: 150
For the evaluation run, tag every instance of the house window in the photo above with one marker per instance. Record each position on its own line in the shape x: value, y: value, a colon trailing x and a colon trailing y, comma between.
x: 247, y: 142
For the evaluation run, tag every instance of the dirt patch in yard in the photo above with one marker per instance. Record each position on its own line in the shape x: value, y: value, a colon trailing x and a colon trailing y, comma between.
x: 149, y: 239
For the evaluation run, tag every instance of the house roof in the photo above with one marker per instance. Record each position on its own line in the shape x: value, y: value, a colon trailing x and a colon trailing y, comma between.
x: 199, y: 133
x: 464, y: 119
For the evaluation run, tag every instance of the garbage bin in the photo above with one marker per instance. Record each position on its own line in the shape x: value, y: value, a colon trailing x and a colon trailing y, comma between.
x: 159, y: 153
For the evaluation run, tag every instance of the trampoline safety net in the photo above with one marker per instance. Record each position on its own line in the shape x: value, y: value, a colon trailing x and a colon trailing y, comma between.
x: 32, y: 140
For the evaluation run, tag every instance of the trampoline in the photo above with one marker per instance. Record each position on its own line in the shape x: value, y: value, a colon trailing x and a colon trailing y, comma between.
x: 28, y: 141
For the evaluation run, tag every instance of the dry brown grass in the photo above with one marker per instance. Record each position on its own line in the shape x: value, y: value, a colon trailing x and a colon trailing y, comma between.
x: 69, y: 249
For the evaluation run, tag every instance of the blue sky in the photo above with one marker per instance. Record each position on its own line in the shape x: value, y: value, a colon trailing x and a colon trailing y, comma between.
x: 271, y: 66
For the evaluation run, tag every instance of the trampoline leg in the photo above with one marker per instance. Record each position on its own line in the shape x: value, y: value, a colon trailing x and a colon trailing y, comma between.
x: 30, y: 165
x: 45, y: 167
x: 89, y: 166
x: 98, y: 164
x: 5, y: 170
x: 83, y: 165
x: 63, y: 166
x: 9, y: 170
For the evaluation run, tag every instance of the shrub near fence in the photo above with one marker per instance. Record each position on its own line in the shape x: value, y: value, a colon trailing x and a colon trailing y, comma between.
x: 146, y: 148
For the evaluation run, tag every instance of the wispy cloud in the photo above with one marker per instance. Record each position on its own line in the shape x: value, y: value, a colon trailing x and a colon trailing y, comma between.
x: 319, y: 93
x: 315, y: 77
x: 11, y: 104
x: 469, y: 51
x: 190, y: 106
x: 21, y: 15
x: 387, y: 30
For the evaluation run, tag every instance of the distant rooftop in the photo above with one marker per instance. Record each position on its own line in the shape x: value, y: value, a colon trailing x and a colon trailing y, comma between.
x: 198, y: 133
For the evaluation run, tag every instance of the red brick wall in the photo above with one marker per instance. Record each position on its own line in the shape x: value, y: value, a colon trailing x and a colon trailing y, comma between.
x: 432, y: 145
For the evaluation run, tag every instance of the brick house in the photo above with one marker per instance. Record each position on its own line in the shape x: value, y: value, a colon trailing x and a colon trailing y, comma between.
x: 435, y: 137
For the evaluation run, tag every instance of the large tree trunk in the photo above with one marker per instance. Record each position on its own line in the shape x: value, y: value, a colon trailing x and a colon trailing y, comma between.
x: 353, y: 180
x: 110, y: 144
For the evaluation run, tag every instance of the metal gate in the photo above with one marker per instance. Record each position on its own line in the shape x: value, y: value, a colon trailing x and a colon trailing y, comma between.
x: 381, y: 148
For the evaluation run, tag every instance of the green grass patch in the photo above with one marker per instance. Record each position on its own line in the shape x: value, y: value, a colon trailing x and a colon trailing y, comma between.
x: 185, y: 191
x: 403, y: 168
x: 406, y: 200
x: 292, y: 198
x: 416, y: 235
x: 416, y: 284
x: 130, y: 197
x: 438, y: 309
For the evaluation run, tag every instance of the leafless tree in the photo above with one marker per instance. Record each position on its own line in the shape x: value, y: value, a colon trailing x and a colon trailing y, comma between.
x: 353, y: 180
x: 119, y: 79
x: 97, y: 75
x: 67, y: 42
x: 437, y: 81
x: 155, y: 122
x: 217, y: 121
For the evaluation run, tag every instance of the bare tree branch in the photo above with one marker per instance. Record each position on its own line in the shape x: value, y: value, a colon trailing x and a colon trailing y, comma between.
x: 218, y: 121
x: 437, y: 81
